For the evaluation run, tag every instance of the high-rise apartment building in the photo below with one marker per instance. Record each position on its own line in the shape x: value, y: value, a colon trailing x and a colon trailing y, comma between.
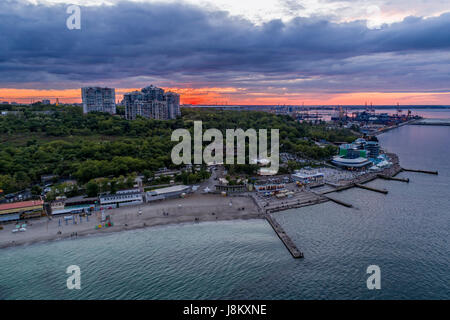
x: 99, y: 99
x: 152, y: 102
x: 173, y: 104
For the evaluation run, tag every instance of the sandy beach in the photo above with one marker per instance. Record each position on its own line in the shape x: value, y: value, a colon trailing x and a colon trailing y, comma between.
x: 195, y: 208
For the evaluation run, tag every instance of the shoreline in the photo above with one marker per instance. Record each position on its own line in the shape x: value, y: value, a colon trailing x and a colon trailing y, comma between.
x: 112, y: 230
x: 194, y: 209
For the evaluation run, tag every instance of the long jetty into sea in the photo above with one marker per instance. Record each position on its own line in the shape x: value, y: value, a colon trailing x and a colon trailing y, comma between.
x: 432, y: 122
x: 420, y: 171
x: 290, y: 245
x: 381, y: 176
x: 342, y: 203
x: 362, y: 186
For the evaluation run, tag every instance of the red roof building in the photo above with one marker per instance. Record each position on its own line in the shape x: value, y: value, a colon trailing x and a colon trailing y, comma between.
x: 21, y: 210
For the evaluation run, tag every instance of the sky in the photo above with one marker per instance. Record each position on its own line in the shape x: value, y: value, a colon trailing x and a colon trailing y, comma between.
x: 316, y: 52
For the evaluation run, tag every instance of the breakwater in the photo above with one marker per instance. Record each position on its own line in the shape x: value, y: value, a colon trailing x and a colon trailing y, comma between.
x: 287, y: 241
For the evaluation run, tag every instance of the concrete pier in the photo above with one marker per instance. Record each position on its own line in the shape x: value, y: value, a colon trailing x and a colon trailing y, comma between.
x: 371, y: 188
x: 290, y: 245
x: 296, y: 205
x: 392, y: 178
x: 342, y: 203
x: 338, y: 188
x: 432, y: 122
x: 420, y: 171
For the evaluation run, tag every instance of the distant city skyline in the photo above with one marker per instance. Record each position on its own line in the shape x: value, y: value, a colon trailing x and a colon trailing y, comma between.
x: 211, y: 97
x: 231, y: 52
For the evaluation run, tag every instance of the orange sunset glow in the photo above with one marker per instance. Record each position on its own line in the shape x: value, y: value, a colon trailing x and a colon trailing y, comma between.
x: 238, y: 96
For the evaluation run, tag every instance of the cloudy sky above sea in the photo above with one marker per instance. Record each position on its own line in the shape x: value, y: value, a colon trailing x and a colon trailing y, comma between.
x: 230, y: 51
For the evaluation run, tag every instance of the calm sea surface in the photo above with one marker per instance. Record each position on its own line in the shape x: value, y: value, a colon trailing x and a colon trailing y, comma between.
x: 406, y: 233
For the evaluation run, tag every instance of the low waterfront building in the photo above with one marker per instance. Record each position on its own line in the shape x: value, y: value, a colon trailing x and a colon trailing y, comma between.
x: 167, y: 193
x: 306, y: 178
x: 356, y: 155
x: 272, y: 185
x: 80, y: 204
x: 351, y: 163
x: 21, y: 210
x: 57, y: 204
x: 382, y: 162
x: 231, y: 188
x: 121, y: 198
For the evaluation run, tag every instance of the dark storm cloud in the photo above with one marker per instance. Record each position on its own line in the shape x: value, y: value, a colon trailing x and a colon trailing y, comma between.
x: 129, y: 43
